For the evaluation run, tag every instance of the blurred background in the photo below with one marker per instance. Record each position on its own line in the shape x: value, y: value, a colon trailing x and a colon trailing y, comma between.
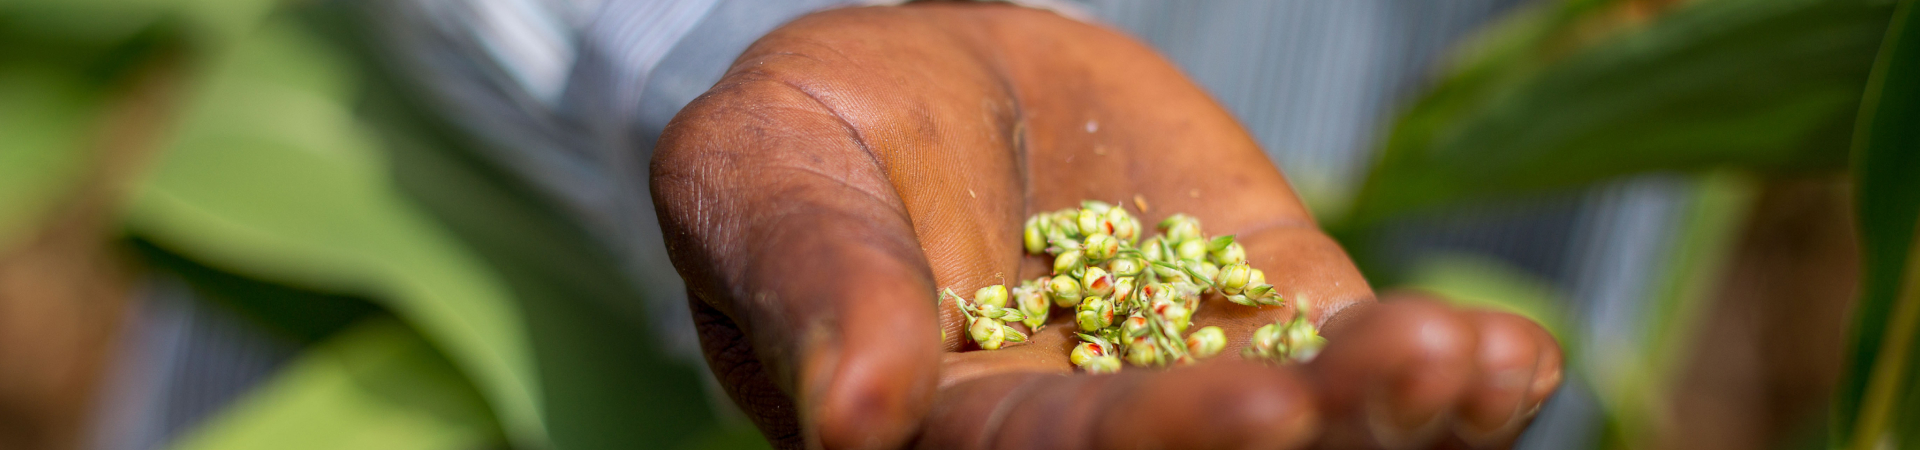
x: 423, y: 224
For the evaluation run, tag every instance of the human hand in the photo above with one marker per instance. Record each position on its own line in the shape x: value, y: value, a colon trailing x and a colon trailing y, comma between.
x: 854, y: 162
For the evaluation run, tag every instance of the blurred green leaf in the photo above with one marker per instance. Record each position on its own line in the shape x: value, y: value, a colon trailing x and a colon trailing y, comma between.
x: 1755, y: 83
x: 374, y: 386
x: 56, y: 87
x: 610, y: 377
x: 207, y: 23
x: 270, y: 176
x: 1687, y: 282
x: 303, y: 315
x: 44, y: 116
x: 1876, y: 404
x: 1482, y: 282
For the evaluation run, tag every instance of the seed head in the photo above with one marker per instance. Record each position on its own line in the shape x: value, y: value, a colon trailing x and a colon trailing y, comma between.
x: 1123, y: 289
x: 991, y: 296
x: 1103, y: 364
x: 1093, y: 314
x: 1135, y: 326
x: 1266, y: 340
x: 1141, y: 351
x: 1069, y: 261
x: 989, y: 333
x: 1233, y: 253
x: 1302, y: 339
x: 1177, y: 315
x: 1101, y: 247
x: 1169, y: 274
x: 1092, y: 222
x: 1124, y: 225
x: 1096, y: 282
x: 1033, y: 303
x: 1206, y: 342
x: 1034, y: 235
x: 1126, y: 266
x: 1190, y: 249
x: 1084, y: 352
x: 1169, y: 223
x: 1206, y: 269
x: 1065, y: 223
x: 1158, y: 292
x: 1233, y: 278
x: 1095, y: 206
x: 1065, y: 290
x: 1219, y: 242
x: 1182, y: 231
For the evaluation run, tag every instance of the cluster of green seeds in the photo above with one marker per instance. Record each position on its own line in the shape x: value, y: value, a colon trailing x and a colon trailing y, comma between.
x: 1133, y: 300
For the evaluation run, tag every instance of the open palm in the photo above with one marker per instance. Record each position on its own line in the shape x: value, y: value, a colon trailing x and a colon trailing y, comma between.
x: 854, y: 162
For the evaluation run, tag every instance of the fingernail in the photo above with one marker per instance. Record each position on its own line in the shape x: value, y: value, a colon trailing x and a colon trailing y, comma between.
x: 1544, y: 385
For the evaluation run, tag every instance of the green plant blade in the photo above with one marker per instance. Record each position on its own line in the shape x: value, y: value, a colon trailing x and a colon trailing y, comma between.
x: 1751, y: 83
x: 1879, y: 374
x: 374, y: 386
x: 270, y: 176
x: 43, y: 115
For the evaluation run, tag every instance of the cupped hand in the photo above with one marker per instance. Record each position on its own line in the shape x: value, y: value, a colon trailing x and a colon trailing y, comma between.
x: 856, y: 161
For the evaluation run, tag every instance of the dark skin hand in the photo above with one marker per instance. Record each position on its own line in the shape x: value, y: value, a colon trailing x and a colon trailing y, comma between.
x: 854, y: 162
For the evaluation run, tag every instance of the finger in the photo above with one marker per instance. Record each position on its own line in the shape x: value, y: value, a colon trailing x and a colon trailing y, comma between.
x: 1305, y: 267
x: 1392, y: 372
x: 1225, y: 405
x: 1547, y: 370
x: 778, y: 218
x: 730, y: 356
x: 1508, y: 355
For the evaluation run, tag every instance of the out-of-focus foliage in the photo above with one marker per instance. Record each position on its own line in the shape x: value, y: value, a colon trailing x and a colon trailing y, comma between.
x: 281, y: 166
x: 1876, y: 405
x: 1483, y: 282
x: 63, y: 62
x: 1682, y: 293
x: 43, y: 114
x: 1581, y: 91
x: 376, y: 386
x: 271, y: 176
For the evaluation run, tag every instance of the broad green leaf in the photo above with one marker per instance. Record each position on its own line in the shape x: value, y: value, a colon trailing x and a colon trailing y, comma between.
x: 607, y: 379
x: 44, y: 117
x: 1876, y: 403
x: 59, y: 89
x: 610, y: 377
x: 303, y: 316
x: 374, y: 386
x: 271, y: 177
x: 1753, y: 83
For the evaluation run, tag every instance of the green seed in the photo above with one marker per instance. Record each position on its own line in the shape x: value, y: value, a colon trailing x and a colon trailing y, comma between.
x: 989, y: 333
x: 1065, y: 290
x: 1206, y: 342
x: 1096, y: 282
x: 1068, y: 262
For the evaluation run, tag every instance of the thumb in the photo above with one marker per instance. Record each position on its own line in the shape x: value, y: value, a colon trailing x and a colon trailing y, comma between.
x: 782, y: 223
